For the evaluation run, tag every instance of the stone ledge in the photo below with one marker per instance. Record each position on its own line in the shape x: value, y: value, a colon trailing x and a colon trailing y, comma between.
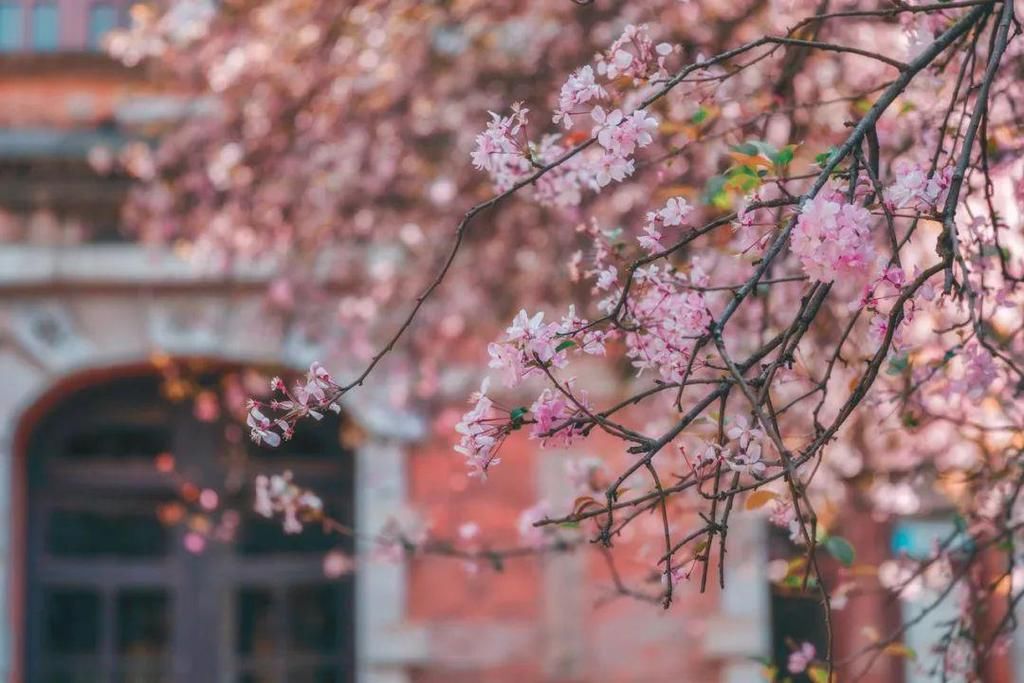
x: 112, y: 265
x: 732, y: 637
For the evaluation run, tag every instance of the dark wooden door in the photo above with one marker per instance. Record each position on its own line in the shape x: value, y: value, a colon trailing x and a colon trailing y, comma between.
x: 117, y: 592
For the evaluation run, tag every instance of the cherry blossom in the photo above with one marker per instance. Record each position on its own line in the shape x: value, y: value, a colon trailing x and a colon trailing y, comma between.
x: 746, y: 461
x: 577, y: 91
x: 801, y: 658
x: 743, y: 432
x: 621, y: 135
x: 529, y: 342
x: 277, y: 494
x: 554, y: 413
x: 915, y: 189
x: 831, y: 238
x: 483, y: 429
x: 529, y: 533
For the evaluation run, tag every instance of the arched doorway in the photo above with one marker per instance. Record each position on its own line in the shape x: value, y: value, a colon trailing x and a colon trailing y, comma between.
x: 145, y: 563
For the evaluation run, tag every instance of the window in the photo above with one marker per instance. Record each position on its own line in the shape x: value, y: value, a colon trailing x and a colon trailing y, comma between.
x: 114, y: 592
x: 797, y: 614
x: 11, y: 26
x: 102, y: 20
x: 45, y: 26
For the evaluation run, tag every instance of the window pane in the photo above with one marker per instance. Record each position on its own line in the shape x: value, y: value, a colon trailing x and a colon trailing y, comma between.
x: 118, y: 441
x: 72, y: 674
x: 102, y: 19
x: 142, y: 623
x: 313, y: 612
x: 10, y: 26
x: 140, y: 674
x: 255, y: 622
x: 323, y: 674
x: 72, y: 621
x: 253, y: 677
x: 90, y: 533
x: 261, y: 536
x: 45, y: 26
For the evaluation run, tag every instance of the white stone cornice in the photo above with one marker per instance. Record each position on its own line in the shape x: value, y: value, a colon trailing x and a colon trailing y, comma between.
x: 129, y: 265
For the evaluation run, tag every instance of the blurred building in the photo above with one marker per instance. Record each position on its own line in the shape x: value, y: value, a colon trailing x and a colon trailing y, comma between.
x: 128, y: 552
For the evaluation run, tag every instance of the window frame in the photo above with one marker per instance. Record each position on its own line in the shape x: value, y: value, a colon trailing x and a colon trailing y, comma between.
x: 74, y: 25
x: 56, y: 480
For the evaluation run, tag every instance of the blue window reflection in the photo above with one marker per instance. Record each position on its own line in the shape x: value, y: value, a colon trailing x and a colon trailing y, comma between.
x: 45, y: 26
x: 11, y: 26
x: 102, y: 20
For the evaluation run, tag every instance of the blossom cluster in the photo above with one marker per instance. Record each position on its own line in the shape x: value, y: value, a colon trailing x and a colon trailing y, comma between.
x: 312, y: 398
x: 832, y: 238
x: 915, y: 189
x: 501, y: 142
x: 530, y: 344
x: 667, y: 315
x: 577, y: 91
x: 483, y: 429
x: 634, y: 55
x: 675, y: 211
x: 504, y: 152
x: 555, y: 413
x: 278, y: 494
x: 746, y: 437
x: 530, y: 347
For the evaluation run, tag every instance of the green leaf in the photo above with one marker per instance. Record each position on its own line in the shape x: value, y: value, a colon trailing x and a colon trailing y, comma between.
x: 567, y: 344
x: 517, y: 415
x: 743, y: 178
x: 897, y: 364
x: 784, y: 156
x: 818, y: 674
x: 715, y: 194
x: 700, y: 116
x: 823, y: 158
x: 755, y: 147
x: 840, y: 548
x: 747, y: 148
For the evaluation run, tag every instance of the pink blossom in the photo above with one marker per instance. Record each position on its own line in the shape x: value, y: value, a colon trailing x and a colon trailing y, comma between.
x: 483, y: 429
x: 621, y: 135
x: 278, y: 494
x: 611, y: 167
x: 979, y: 372
x: 832, y: 238
x: 528, y: 341
x: 577, y: 91
x: 801, y: 658
x: 260, y: 428
x: 675, y: 212
x: 498, y: 142
x: 553, y: 410
x: 530, y: 535
x: 783, y: 515
x: 916, y: 190
x: 747, y: 461
x: 634, y: 55
x: 742, y: 431
x: 668, y: 317
x: 337, y: 564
